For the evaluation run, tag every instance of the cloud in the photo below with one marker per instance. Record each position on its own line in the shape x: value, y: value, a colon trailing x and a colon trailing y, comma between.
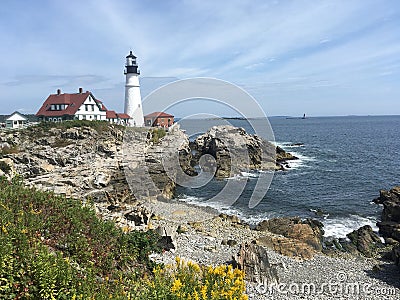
x: 56, y: 80
x: 329, y: 46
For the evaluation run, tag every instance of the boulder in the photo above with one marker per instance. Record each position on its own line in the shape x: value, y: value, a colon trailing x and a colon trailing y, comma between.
x: 288, y: 247
x: 366, y: 240
x: 253, y: 260
x: 167, y: 238
x: 309, y: 231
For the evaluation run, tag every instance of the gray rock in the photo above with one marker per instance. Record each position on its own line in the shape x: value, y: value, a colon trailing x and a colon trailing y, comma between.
x: 253, y: 260
x: 234, y: 150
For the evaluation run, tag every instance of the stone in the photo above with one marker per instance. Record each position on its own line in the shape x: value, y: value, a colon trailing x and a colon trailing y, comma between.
x: 365, y: 240
x: 309, y: 231
x: 253, y: 260
x: 102, y: 179
x: 168, y: 236
x: 288, y: 247
x: 140, y: 216
x: 396, y: 255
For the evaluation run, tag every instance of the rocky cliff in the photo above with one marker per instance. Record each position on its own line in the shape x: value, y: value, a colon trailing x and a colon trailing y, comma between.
x: 92, y: 161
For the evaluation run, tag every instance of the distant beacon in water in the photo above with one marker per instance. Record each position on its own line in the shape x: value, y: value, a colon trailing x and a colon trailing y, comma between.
x: 133, y: 100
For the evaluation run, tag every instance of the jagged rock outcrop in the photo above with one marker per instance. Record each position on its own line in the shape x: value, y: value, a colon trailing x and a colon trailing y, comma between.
x: 297, y: 238
x: 253, y: 260
x: 236, y: 151
x: 389, y: 226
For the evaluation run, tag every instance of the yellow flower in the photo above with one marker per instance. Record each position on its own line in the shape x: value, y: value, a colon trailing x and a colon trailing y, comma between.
x: 176, y: 285
x: 204, y: 292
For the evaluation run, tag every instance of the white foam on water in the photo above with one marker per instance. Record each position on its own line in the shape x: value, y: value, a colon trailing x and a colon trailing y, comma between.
x: 302, y: 159
x: 340, y: 227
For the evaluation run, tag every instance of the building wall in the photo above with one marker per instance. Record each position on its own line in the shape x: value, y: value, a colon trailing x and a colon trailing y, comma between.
x: 90, y: 111
x: 161, y: 121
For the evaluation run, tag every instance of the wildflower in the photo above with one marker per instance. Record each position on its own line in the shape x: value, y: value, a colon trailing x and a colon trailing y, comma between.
x: 176, y: 285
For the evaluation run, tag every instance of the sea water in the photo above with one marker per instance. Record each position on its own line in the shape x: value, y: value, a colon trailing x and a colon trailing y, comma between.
x: 343, y: 163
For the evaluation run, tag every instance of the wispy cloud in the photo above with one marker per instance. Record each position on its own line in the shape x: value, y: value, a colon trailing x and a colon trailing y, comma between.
x: 329, y: 47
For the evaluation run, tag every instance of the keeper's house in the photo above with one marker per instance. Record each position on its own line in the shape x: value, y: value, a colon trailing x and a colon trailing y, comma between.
x: 80, y: 106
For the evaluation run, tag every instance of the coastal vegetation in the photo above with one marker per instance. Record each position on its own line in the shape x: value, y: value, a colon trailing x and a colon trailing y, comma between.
x: 53, y: 247
x: 157, y: 134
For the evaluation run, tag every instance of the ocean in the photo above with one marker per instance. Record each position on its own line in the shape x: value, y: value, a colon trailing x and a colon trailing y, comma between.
x: 343, y: 163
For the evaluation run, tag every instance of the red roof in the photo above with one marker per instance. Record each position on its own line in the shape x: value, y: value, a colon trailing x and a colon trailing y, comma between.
x: 103, y: 108
x: 158, y: 114
x: 74, y: 101
x: 123, y: 116
x: 110, y: 114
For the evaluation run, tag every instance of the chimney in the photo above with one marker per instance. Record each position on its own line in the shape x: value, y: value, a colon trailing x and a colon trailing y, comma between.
x: 58, y: 91
x: 80, y: 90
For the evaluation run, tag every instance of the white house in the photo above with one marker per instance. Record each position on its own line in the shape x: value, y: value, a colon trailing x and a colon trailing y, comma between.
x: 80, y: 106
x: 16, y: 120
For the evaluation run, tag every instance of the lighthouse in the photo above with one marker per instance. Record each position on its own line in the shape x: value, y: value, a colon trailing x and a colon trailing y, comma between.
x: 133, y: 100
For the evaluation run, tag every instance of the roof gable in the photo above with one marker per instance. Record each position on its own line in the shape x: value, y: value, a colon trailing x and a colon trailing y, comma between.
x: 74, y: 101
x: 16, y: 116
x: 158, y: 114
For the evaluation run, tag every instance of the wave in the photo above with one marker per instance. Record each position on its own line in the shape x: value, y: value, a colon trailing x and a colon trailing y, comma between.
x: 302, y: 159
x: 340, y: 227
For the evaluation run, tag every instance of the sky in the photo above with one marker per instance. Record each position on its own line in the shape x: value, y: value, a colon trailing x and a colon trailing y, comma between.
x: 317, y: 57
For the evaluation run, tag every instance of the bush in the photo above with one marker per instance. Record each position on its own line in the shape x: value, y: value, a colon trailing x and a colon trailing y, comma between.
x: 5, y: 167
x: 187, y: 280
x: 41, y: 128
x: 52, y: 247
x: 157, y: 134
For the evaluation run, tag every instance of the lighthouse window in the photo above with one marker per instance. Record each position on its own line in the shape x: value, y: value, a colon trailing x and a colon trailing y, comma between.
x: 138, y: 105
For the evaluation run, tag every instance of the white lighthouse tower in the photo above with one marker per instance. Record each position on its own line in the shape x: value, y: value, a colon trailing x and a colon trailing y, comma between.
x: 133, y: 100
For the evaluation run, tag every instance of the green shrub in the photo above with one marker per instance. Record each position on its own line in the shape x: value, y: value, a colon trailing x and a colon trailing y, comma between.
x: 5, y: 167
x: 188, y: 280
x: 52, y: 247
x: 157, y: 134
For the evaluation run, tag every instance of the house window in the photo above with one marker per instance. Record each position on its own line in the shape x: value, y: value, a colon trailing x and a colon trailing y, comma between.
x: 84, y: 117
x: 59, y: 119
x: 52, y: 107
x: 92, y: 107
